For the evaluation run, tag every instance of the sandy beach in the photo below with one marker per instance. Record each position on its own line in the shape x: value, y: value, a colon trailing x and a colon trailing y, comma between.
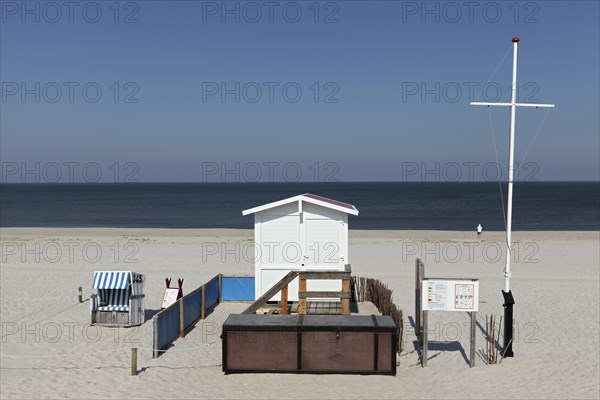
x: 49, y: 350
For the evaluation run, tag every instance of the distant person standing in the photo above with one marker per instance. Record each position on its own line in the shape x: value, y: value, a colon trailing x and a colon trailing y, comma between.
x: 479, y: 230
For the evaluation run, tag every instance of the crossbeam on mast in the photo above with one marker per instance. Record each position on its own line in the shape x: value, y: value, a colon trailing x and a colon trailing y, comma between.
x: 533, y: 105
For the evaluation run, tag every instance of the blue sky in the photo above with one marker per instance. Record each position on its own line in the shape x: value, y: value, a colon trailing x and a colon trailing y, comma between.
x: 350, y: 90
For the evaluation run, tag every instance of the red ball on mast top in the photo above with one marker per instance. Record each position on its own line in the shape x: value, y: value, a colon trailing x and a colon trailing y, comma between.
x: 515, y: 39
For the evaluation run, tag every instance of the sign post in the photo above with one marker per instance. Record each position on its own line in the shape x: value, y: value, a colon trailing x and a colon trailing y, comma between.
x: 424, y: 339
x: 419, y: 272
x: 473, y: 339
x: 449, y: 295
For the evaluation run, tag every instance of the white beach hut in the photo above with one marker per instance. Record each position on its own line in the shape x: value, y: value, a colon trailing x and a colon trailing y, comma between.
x: 301, y: 233
x: 119, y: 300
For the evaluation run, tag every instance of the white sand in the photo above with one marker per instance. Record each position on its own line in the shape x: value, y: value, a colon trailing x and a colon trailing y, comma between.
x: 555, y: 283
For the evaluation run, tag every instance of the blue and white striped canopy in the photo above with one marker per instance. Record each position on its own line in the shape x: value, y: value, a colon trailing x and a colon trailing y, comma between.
x: 111, y: 279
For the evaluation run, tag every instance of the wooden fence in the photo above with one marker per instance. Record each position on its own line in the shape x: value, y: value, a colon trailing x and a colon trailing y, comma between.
x: 378, y: 293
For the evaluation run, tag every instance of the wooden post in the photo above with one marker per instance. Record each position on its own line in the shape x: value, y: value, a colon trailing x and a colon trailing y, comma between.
x: 421, y: 277
x: 220, y: 286
x: 487, y: 340
x: 80, y: 294
x: 301, y: 299
x: 417, y: 299
x: 155, y: 336
x: 499, y: 328
x: 181, y: 320
x: 134, y: 370
x: 425, y: 340
x: 203, y: 304
x: 346, y: 301
x: 284, y: 301
x: 493, y: 325
x: 473, y: 339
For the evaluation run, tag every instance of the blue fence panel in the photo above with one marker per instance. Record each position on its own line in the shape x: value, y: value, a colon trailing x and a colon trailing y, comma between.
x: 211, y: 293
x: 192, y: 308
x: 168, y: 326
x: 237, y: 288
x: 240, y: 288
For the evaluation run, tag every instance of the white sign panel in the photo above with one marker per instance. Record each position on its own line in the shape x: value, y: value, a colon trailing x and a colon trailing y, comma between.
x: 170, y: 297
x: 450, y: 295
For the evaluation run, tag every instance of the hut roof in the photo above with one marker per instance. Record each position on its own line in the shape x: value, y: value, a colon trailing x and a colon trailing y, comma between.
x: 309, y: 198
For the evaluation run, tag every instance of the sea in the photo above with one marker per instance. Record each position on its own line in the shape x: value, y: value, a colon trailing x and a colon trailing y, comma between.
x: 543, y: 206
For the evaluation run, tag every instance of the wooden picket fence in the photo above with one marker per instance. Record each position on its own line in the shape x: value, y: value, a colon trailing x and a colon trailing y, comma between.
x: 378, y: 293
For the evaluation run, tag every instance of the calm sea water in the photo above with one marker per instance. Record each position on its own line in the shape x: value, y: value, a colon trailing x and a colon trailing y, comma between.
x: 441, y: 206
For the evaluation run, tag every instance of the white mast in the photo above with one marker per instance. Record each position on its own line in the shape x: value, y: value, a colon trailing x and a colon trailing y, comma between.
x: 511, y: 157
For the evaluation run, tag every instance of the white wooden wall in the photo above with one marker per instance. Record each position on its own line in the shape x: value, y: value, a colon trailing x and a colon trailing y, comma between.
x: 317, y: 239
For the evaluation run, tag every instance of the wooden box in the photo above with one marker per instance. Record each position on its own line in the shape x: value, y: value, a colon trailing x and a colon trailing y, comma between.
x: 354, y: 344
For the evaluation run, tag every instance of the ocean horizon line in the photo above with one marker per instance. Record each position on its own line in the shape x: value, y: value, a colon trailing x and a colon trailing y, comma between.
x: 251, y: 229
x: 292, y: 183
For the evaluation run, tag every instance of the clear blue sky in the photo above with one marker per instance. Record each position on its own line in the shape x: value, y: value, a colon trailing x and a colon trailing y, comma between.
x: 362, y: 114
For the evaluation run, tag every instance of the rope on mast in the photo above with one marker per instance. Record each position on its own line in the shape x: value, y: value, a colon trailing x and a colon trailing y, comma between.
x: 498, y: 164
x: 533, y: 139
x: 493, y: 73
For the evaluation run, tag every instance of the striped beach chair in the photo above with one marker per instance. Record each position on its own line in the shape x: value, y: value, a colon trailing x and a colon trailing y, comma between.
x: 119, y: 300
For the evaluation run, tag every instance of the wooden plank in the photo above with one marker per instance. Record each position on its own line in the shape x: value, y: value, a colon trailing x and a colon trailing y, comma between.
x: 325, y: 275
x: 262, y: 300
x: 323, y: 294
x: 301, y: 300
x: 284, y: 301
x: 346, y: 301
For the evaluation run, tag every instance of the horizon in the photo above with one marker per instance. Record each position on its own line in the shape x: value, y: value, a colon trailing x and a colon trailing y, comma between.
x: 281, y: 182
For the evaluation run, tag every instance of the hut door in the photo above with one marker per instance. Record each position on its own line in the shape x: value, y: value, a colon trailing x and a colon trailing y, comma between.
x: 323, y: 240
